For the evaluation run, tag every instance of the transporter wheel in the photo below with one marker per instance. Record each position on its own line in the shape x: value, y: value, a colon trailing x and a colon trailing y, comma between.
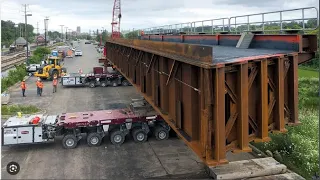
x: 117, y: 137
x: 161, y: 133
x: 54, y: 74
x: 125, y: 83
x: 114, y: 83
x: 92, y: 84
x: 69, y: 141
x: 104, y: 84
x: 94, y: 139
x: 139, y: 135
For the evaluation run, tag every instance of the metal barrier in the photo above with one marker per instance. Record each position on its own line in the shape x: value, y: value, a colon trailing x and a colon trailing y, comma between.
x: 261, y: 27
x: 209, y: 26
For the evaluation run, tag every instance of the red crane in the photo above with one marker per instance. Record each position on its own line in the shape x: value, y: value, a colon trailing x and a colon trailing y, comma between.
x: 116, y: 17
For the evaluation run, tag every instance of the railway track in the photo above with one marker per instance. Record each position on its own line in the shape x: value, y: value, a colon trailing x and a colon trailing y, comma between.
x: 8, y: 62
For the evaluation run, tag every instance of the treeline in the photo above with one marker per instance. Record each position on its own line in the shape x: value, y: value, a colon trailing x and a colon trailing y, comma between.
x: 9, y: 32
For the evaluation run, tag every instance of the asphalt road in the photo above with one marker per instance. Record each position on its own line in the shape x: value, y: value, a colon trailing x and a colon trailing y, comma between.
x: 170, y: 158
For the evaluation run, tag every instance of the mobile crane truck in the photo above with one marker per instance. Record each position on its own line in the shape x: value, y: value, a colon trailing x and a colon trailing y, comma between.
x: 139, y: 119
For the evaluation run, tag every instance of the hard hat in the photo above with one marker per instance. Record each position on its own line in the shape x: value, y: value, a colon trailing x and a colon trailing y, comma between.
x: 39, y: 79
x: 23, y: 80
x: 55, y: 77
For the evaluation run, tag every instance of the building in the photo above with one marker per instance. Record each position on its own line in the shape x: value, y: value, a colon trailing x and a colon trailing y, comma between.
x: 78, y: 30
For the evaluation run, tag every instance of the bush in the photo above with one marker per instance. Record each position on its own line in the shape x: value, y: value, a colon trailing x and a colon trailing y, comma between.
x: 298, y: 147
x: 13, y: 109
x: 41, y: 51
x: 13, y: 77
x: 35, y: 59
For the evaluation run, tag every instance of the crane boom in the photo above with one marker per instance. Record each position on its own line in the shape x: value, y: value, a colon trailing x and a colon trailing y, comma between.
x: 116, y: 17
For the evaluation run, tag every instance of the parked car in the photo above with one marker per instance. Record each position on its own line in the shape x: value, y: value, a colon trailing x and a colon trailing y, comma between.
x: 87, y: 42
x: 32, y: 68
x: 78, y: 53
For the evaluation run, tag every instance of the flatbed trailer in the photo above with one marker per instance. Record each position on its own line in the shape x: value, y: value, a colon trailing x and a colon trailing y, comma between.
x: 139, y: 119
x: 94, y: 79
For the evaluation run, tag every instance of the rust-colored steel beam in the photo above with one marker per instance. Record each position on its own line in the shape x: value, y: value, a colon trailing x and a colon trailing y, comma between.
x: 215, y: 104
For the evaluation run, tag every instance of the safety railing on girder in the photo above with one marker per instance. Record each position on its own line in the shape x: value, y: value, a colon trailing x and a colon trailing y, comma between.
x: 306, y: 20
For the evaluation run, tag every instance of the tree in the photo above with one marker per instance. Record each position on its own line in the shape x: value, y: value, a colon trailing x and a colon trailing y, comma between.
x: 132, y: 35
x: 39, y: 54
x: 9, y: 32
x: 53, y: 35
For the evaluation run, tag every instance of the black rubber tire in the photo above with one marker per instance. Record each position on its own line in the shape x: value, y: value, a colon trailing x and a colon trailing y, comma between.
x: 161, y: 133
x: 139, y: 135
x: 67, y: 141
x: 117, y: 134
x: 125, y: 83
x: 94, y: 136
x: 114, y: 83
x: 64, y: 69
x: 103, y: 84
x: 54, y: 72
x: 92, y: 84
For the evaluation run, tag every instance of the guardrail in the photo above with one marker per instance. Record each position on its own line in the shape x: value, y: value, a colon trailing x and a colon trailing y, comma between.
x: 235, y: 24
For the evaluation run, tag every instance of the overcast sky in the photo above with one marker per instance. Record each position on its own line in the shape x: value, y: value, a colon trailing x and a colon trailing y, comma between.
x: 138, y: 14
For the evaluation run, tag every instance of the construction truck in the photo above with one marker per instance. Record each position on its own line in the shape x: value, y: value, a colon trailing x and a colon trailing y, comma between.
x: 50, y: 69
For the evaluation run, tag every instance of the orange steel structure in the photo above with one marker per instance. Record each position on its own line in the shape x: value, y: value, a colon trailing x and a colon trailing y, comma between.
x: 217, y: 98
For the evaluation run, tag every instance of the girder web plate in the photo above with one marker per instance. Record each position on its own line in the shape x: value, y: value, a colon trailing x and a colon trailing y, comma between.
x: 214, y: 109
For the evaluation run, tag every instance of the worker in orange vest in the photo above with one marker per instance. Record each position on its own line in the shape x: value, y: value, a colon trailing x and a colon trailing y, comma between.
x: 23, y: 88
x: 40, y: 85
x: 54, y: 83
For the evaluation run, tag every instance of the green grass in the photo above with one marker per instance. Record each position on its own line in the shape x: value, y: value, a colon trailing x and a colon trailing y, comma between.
x: 13, y: 77
x: 299, y: 147
x: 307, y: 73
x: 13, y: 109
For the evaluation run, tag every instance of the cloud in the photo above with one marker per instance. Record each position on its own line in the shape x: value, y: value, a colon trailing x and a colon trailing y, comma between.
x: 95, y: 14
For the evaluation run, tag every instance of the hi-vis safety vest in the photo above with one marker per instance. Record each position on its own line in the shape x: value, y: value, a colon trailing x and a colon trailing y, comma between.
x: 23, y: 85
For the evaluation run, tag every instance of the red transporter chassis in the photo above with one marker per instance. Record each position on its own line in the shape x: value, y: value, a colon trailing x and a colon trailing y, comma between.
x: 118, y: 123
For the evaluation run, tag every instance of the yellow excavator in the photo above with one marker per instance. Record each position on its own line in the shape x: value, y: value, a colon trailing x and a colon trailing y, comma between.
x: 51, y: 68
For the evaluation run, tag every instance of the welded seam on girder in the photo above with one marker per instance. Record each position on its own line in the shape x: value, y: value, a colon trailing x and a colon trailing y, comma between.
x: 150, y: 64
x: 173, y: 71
x: 128, y: 57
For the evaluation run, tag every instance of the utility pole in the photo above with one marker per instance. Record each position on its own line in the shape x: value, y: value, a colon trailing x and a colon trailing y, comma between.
x: 61, y: 32
x: 37, y: 33
x: 66, y: 32
x: 45, y: 30
x: 70, y: 34
x: 25, y: 30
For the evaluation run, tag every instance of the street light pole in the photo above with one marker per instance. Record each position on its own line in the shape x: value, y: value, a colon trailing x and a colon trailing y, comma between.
x: 15, y: 35
x: 25, y: 30
x: 45, y: 30
x: 66, y: 33
x: 61, y: 32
